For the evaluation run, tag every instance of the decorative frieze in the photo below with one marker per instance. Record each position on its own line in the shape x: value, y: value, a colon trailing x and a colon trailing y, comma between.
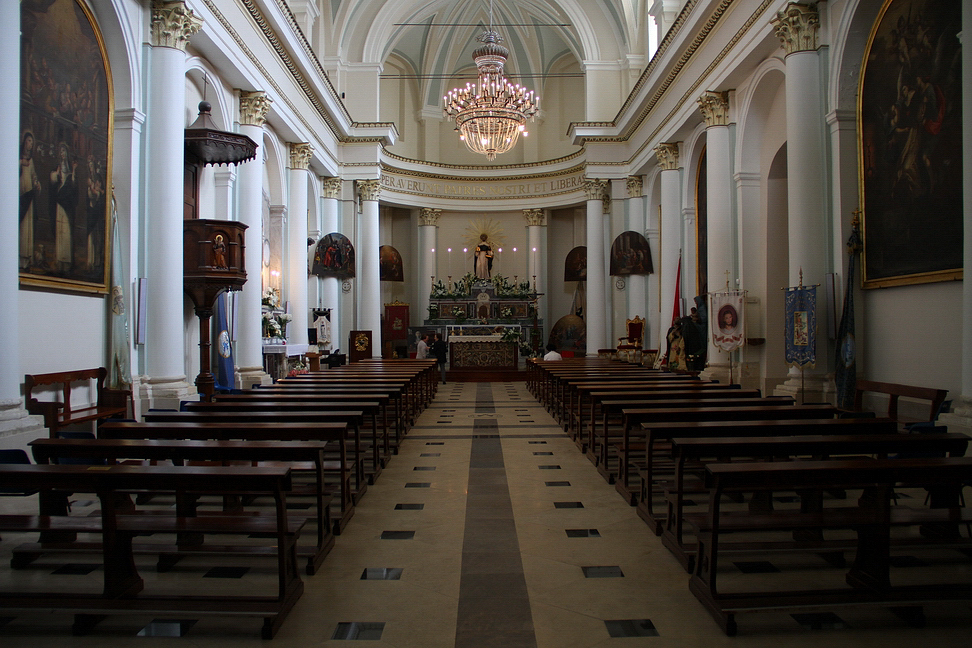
x: 667, y: 154
x: 595, y: 189
x: 635, y: 186
x: 797, y: 26
x: 369, y: 189
x: 429, y: 217
x: 173, y: 24
x: 331, y: 187
x: 254, y: 107
x: 715, y: 108
x: 300, y: 155
x: 535, y: 217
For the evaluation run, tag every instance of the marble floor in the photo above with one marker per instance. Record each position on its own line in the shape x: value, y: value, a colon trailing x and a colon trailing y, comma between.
x: 488, y: 529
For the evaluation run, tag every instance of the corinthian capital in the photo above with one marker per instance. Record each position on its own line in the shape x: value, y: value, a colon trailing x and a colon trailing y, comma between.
x: 300, y: 155
x: 667, y: 154
x: 715, y: 108
x: 331, y: 187
x: 369, y: 189
x: 254, y: 107
x: 595, y: 189
x: 173, y: 24
x: 429, y: 217
x: 797, y: 26
x: 535, y: 217
x: 635, y: 186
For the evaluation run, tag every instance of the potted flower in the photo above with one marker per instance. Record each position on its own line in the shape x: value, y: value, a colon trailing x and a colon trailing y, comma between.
x: 459, y: 312
x: 507, y: 314
x: 271, y: 298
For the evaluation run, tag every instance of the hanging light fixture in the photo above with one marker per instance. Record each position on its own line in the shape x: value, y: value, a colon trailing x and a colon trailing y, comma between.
x: 491, y: 115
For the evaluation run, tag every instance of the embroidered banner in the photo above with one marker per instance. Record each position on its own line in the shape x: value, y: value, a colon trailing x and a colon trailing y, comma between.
x: 800, y: 335
x: 728, y: 330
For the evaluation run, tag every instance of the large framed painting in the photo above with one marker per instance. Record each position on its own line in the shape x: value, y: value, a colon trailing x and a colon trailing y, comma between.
x: 65, y: 148
x: 910, y: 146
x: 334, y: 257
x: 630, y: 255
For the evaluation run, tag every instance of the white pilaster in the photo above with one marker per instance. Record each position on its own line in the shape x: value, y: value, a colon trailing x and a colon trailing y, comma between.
x: 254, y: 107
x: 595, y: 313
x: 172, y: 26
x: 224, y: 180
x: 671, y: 236
x: 369, y: 286
x: 331, y: 286
x: 637, y: 284
x: 427, y: 242
x: 300, y: 157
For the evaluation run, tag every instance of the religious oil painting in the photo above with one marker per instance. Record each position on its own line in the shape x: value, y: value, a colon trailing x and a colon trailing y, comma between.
x: 334, y: 257
x: 575, y: 265
x: 910, y: 153
x: 65, y: 148
x: 390, y: 267
x: 630, y: 255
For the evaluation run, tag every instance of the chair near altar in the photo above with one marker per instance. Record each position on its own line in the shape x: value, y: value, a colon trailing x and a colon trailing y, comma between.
x: 629, y: 346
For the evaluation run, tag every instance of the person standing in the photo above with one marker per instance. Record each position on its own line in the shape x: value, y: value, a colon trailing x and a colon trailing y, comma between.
x: 440, y: 351
x: 422, y: 348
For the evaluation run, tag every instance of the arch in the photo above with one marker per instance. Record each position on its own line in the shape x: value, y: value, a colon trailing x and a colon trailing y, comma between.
x: 123, y: 51
x: 768, y: 82
x: 850, y: 40
x: 274, y: 169
x: 208, y: 84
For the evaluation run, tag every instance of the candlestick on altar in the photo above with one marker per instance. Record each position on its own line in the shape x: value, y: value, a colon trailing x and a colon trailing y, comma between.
x: 534, y: 283
x: 450, y: 283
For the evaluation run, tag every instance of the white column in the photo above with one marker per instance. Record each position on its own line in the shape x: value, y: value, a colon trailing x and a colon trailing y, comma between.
x: 224, y: 180
x: 671, y: 236
x: 536, y: 222
x: 172, y: 26
x: 254, y: 107
x: 300, y: 157
x: 595, y: 314
x: 797, y: 26
x: 369, y: 286
x: 331, y: 286
x: 427, y: 242
x: 715, y: 109
x: 637, y: 284
x: 13, y: 417
x: 664, y: 13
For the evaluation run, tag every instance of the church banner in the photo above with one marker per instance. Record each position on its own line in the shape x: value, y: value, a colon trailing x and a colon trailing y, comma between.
x: 800, y: 326
x: 728, y: 329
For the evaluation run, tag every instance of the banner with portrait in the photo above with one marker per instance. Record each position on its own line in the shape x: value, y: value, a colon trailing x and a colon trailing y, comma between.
x: 800, y: 326
x: 728, y: 328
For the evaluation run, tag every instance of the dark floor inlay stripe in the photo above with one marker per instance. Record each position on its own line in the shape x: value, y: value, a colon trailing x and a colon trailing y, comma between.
x: 605, y: 571
x: 75, y: 569
x: 431, y: 454
x: 226, y: 572
x: 418, y: 484
x: 582, y: 533
x: 552, y: 467
x: 397, y: 535
x: 409, y: 507
x: 542, y: 454
x: 819, y: 621
x: 382, y: 573
x: 556, y: 483
x: 166, y: 628
x: 359, y: 630
x: 631, y: 628
x: 568, y: 505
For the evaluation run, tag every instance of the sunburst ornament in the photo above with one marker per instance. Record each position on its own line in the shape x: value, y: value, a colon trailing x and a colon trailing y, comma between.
x: 483, y: 225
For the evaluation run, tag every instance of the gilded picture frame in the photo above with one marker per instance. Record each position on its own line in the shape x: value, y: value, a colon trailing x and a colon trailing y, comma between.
x: 65, y: 156
x: 910, y: 145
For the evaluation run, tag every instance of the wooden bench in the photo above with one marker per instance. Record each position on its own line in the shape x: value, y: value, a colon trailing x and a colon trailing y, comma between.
x: 871, y: 518
x: 821, y: 443
x: 894, y: 391
x: 111, y: 403
x: 180, y: 451
x: 123, y: 587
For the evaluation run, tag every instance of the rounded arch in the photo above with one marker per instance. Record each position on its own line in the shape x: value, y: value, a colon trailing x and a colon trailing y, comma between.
x: 850, y: 40
x: 692, y: 148
x: 274, y: 168
x: 207, y: 84
x: 122, y: 49
x: 755, y: 107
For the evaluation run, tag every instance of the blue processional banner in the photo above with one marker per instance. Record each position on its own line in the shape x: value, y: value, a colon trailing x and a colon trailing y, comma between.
x: 800, y: 334
x: 225, y: 375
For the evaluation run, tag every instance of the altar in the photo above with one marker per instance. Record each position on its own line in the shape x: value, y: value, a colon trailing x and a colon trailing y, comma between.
x: 482, y: 352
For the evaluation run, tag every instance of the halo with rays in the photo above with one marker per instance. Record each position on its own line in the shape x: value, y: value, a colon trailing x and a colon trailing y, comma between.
x: 483, y: 225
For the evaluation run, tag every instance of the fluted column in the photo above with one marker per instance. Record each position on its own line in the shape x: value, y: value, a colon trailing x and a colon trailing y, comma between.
x: 797, y: 26
x: 369, y: 286
x: 671, y: 235
x: 715, y: 109
x: 595, y: 313
x: 254, y: 107
x: 300, y: 157
x: 331, y: 286
x: 172, y: 26
x: 427, y: 242
x: 637, y: 284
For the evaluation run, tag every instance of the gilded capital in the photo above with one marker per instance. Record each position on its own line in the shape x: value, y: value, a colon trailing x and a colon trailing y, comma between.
x: 369, y: 189
x: 535, y: 217
x: 635, y: 186
x: 254, y: 107
x: 300, y: 155
x: 667, y: 154
x: 715, y: 108
x: 429, y: 216
x: 595, y: 189
x: 797, y: 26
x: 173, y: 24
x: 331, y: 187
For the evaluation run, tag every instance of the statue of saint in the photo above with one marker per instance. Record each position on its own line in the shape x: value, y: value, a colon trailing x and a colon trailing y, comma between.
x: 484, y: 259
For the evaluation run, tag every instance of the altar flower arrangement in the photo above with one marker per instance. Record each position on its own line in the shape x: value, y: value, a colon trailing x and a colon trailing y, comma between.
x: 506, y: 313
x: 459, y: 312
x: 271, y: 326
x: 271, y: 298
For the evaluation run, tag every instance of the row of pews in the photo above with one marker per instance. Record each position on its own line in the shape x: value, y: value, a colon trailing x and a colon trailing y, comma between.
x: 720, y: 472
x: 218, y: 479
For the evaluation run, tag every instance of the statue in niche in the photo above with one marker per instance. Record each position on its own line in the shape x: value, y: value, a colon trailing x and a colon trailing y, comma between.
x: 484, y: 258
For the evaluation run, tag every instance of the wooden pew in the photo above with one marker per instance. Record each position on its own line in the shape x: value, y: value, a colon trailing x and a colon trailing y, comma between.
x: 894, y: 391
x: 123, y: 587
x: 276, y: 430
x: 111, y: 403
x: 180, y: 451
x: 821, y: 444
x: 871, y: 517
x: 640, y: 419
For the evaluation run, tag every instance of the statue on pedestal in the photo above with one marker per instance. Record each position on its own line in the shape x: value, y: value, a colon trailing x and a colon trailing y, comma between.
x: 484, y: 259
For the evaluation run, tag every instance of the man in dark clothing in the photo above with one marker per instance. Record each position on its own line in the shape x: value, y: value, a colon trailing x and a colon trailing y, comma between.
x: 440, y: 351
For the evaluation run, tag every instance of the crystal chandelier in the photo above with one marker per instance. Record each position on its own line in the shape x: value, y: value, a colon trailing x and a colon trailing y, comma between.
x: 491, y: 115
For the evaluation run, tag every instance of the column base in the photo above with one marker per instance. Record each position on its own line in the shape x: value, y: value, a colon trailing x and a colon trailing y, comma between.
x: 960, y: 418
x: 247, y: 377
x: 163, y: 392
x: 812, y: 388
x: 720, y: 372
x: 15, y: 421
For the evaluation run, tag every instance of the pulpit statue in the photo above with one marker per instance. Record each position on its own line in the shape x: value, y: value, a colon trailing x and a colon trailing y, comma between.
x: 484, y: 259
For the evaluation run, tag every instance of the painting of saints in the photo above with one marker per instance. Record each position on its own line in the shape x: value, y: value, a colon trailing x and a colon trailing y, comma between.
x: 29, y: 187
x: 64, y: 195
